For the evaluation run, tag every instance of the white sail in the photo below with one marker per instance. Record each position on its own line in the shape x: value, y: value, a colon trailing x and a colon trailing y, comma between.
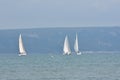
x: 76, y: 48
x: 66, y: 48
x: 21, y: 47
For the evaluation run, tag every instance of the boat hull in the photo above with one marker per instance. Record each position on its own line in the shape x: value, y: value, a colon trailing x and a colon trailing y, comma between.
x: 22, y: 54
x: 66, y: 53
x: 79, y: 53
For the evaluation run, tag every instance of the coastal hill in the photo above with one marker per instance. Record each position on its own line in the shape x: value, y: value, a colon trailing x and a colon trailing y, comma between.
x: 50, y: 40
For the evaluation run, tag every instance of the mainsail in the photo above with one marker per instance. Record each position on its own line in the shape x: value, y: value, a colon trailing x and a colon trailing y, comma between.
x: 76, y: 48
x: 21, y: 47
x: 66, y: 48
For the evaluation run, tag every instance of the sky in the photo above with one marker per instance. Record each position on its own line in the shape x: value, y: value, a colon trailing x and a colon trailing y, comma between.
x: 58, y: 13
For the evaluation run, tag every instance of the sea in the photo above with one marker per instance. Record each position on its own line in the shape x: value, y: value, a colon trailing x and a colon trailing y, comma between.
x: 51, y: 66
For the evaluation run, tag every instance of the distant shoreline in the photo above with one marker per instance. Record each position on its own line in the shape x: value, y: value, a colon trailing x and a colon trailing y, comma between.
x: 101, y: 52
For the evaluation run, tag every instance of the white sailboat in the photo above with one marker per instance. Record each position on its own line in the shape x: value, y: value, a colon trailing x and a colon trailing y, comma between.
x: 21, y: 47
x: 66, y: 48
x: 76, y: 47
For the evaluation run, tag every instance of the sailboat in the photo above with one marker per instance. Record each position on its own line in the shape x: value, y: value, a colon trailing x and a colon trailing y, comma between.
x: 21, y: 47
x: 66, y: 48
x: 76, y: 47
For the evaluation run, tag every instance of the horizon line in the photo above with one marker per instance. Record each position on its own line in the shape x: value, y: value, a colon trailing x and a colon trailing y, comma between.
x: 12, y: 28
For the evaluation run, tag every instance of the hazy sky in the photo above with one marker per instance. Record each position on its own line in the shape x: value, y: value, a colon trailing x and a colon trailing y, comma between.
x: 59, y: 13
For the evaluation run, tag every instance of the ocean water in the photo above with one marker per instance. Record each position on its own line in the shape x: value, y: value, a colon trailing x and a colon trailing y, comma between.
x: 58, y: 67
